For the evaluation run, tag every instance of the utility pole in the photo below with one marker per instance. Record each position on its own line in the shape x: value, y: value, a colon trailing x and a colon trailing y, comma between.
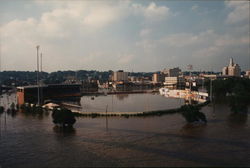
x: 41, y: 69
x: 211, y: 91
x: 0, y: 81
x: 41, y: 62
x: 106, y: 118
x: 190, y: 67
x: 0, y: 73
x: 203, y: 84
x: 37, y: 75
x: 112, y: 104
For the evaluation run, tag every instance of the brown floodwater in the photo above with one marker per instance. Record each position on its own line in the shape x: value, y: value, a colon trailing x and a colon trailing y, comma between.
x: 34, y: 141
x: 128, y: 103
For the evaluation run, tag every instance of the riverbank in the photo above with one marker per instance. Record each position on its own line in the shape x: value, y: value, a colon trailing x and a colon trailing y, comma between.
x: 133, y: 114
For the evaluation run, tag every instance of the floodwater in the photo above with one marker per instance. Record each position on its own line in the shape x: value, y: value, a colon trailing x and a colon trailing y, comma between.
x: 128, y: 103
x: 33, y: 141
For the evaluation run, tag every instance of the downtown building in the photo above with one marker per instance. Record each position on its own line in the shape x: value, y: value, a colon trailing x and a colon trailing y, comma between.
x: 173, y: 78
x: 120, y: 76
x: 172, y: 72
x: 247, y: 74
x: 232, y: 69
x: 158, y: 78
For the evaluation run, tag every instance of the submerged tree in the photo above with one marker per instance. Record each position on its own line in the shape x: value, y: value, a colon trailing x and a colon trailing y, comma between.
x: 63, y: 117
x: 192, y: 114
x: 13, y: 108
x: 239, y: 100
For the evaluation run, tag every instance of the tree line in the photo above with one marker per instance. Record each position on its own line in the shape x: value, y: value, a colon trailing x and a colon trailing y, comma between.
x: 24, y: 78
x: 236, y: 91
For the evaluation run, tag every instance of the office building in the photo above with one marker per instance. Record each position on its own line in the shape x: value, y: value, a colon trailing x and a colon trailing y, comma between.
x: 174, y: 82
x: 174, y: 72
x: 232, y: 69
x: 155, y: 78
x: 120, y: 76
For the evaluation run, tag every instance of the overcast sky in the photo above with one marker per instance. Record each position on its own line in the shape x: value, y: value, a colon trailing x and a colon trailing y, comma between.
x: 130, y: 35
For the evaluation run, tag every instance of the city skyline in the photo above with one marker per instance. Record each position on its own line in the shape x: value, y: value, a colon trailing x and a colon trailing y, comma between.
x: 143, y: 36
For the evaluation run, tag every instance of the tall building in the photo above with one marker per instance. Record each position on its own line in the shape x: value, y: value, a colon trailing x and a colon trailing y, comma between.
x: 232, y: 69
x: 225, y: 70
x: 120, y: 76
x: 174, y: 82
x: 156, y: 78
x: 174, y: 72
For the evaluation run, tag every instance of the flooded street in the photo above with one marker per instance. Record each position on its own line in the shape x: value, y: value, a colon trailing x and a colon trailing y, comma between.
x: 33, y: 141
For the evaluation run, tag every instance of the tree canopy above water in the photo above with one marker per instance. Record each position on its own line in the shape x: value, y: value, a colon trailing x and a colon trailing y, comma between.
x: 192, y: 114
x: 235, y: 90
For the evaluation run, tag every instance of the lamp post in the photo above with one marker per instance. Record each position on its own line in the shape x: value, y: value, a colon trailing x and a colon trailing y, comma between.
x: 37, y: 75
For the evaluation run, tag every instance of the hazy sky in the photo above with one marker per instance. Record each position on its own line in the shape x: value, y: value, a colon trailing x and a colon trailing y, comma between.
x: 130, y: 35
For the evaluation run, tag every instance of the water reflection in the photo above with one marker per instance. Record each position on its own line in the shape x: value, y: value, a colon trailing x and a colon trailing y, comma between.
x: 239, y: 111
x: 39, y: 116
x: 194, y: 130
x: 237, y: 120
x: 121, y: 96
x: 190, y: 127
x: 238, y: 104
x: 64, y: 131
x: 12, y: 113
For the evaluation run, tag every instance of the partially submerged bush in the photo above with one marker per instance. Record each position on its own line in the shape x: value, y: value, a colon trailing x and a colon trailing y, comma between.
x: 63, y: 117
x: 32, y: 108
x: 192, y: 114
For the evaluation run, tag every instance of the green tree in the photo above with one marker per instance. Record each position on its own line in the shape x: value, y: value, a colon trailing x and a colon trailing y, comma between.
x: 63, y: 117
